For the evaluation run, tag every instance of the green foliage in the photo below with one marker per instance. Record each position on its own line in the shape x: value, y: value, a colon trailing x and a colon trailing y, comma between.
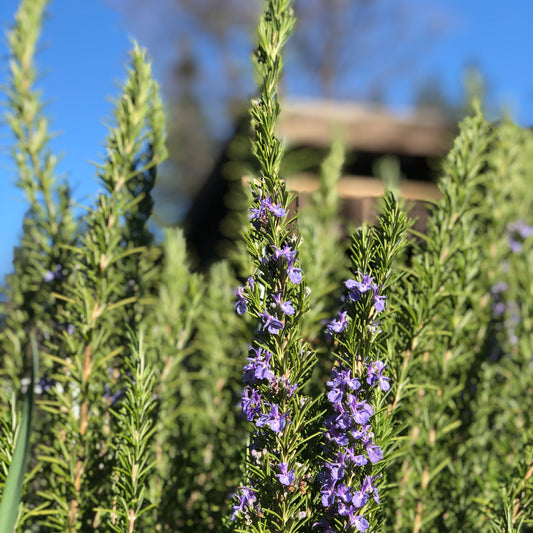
x: 137, y: 424
x: 323, y: 254
x: 135, y: 430
x: 48, y: 223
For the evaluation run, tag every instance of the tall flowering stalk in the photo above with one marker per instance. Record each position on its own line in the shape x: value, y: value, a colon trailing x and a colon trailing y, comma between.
x: 359, y: 378
x: 274, y: 494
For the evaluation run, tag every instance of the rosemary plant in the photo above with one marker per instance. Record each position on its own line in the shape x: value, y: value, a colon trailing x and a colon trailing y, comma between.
x: 48, y: 223
x: 350, y: 476
x: 444, y: 322
x: 89, y: 361
x: 273, y: 495
x: 406, y: 407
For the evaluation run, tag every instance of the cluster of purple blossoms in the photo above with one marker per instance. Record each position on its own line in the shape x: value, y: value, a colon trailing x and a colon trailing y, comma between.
x: 259, y: 372
x: 259, y: 215
x: 247, y: 499
x: 505, y: 317
x: 355, y: 291
x: 350, y: 445
x: 276, y: 307
x: 261, y: 403
x: 286, y: 258
x: 265, y: 396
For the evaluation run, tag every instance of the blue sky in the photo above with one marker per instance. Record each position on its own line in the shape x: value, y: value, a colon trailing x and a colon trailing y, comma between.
x: 85, y: 46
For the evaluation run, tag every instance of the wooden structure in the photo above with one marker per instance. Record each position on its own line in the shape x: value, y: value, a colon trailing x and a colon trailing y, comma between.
x: 417, y: 140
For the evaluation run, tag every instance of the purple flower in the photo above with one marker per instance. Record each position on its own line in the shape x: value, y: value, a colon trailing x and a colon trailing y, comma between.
x: 379, y: 301
x: 341, y: 377
x: 336, y: 435
x: 45, y: 383
x: 259, y: 216
x: 355, y: 294
x: 286, y: 253
x: 250, y: 403
x: 363, y: 434
x: 358, y: 460
x: 290, y: 388
x: 56, y: 273
x: 336, y: 469
x: 375, y: 374
x: 339, y: 324
x: 328, y: 494
x: 295, y: 274
x: 374, y: 453
x: 277, y: 210
x: 521, y: 228
x: 258, y: 367
x: 285, y: 477
x: 362, y: 286
x: 518, y: 231
x: 499, y: 287
x: 359, y: 499
x: 274, y: 419
x: 246, y: 500
x: 113, y: 398
x: 369, y: 488
x: 271, y: 324
x: 335, y: 395
x: 343, y: 492
x: 360, y: 523
x: 361, y: 410
x: 240, y: 305
x: 286, y: 307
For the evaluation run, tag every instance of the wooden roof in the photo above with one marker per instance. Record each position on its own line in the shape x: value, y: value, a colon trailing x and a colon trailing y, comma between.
x: 369, y: 129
